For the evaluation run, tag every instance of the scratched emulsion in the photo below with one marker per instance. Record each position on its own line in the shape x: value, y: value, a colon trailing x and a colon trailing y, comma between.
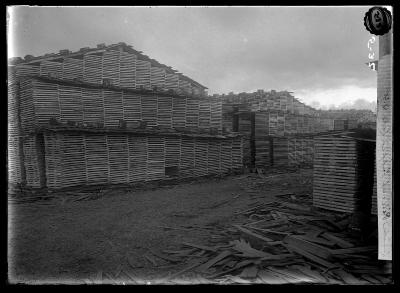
x: 384, y: 156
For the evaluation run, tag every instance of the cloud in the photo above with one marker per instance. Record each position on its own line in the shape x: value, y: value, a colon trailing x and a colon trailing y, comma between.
x: 317, y: 52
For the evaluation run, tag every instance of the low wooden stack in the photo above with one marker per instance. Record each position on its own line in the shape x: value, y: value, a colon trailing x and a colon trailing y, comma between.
x: 338, y: 169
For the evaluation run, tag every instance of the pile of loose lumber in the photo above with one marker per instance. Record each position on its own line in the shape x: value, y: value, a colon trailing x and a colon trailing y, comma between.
x: 283, y: 241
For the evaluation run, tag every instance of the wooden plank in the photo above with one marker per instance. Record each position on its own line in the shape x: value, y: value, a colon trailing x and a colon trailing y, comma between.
x: 316, y: 240
x: 348, y: 278
x: 211, y: 262
x: 311, y: 256
x: 202, y: 247
x: 339, y: 241
x: 269, y: 278
x: 354, y: 250
x: 248, y: 232
x: 313, y: 248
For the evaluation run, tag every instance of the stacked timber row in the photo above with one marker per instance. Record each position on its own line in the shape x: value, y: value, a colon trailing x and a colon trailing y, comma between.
x: 112, y: 116
x: 14, y: 141
x: 88, y: 157
x: 281, y: 131
x: 43, y: 98
x: 343, y: 173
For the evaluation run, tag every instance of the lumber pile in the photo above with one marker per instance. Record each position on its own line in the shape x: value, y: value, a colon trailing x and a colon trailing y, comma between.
x: 13, y: 129
x: 340, y: 165
x: 85, y: 158
x: 33, y: 152
x: 284, y: 241
x: 339, y: 124
x: 99, y: 93
x: 43, y: 100
x: 114, y: 67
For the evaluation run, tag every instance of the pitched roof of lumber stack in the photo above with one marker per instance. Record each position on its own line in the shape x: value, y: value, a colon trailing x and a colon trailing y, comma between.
x: 29, y: 59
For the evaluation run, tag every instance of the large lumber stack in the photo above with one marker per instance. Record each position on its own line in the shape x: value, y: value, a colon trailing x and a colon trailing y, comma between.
x: 341, y: 172
x: 112, y: 116
x: 43, y: 99
x: 278, y: 115
x: 97, y: 157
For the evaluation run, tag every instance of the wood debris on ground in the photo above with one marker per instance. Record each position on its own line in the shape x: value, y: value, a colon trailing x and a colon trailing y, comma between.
x: 288, y: 241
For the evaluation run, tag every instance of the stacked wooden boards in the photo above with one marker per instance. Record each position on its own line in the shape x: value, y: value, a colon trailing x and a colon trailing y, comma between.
x: 115, y: 67
x: 300, y: 151
x: 15, y: 172
x: 42, y: 100
x: 99, y: 158
x: 341, y: 168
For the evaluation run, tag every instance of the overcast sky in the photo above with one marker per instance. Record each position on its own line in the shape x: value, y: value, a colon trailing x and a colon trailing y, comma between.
x: 319, y: 53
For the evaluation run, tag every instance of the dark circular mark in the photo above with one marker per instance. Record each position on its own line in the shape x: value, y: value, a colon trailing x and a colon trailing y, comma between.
x: 378, y: 20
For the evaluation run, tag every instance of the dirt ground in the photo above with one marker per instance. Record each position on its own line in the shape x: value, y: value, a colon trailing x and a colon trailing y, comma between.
x: 70, y: 241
